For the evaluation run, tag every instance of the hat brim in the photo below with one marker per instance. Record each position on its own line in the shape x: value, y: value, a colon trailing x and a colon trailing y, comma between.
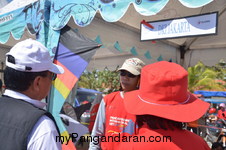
x: 56, y: 69
x: 190, y: 111
x: 131, y: 70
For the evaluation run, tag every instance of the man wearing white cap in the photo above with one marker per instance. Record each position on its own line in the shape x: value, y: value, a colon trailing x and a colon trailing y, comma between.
x: 28, y: 77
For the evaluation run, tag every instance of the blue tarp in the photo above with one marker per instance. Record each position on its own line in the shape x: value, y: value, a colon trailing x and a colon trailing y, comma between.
x: 215, y: 101
x: 211, y: 93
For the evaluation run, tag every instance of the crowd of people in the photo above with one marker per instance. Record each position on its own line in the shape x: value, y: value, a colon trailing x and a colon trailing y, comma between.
x: 150, y: 110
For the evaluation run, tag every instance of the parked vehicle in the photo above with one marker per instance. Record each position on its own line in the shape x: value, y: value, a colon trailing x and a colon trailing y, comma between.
x: 91, y: 99
x: 84, y: 107
x: 85, y: 96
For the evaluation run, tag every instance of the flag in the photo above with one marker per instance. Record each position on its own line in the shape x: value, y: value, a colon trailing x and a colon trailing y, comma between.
x: 160, y: 58
x: 147, y: 55
x: 133, y: 51
x: 73, y: 54
x: 117, y: 46
x: 98, y: 40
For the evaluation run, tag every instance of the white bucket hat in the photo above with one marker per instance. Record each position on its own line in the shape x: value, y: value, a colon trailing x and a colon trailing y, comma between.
x: 31, y: 56
x: 132, y: 65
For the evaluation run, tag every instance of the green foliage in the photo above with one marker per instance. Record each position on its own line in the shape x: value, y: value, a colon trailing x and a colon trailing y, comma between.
x: 105, y: 81
x: 202, y: 77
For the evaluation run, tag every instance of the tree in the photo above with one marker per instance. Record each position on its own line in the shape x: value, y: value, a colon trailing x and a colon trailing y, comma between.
x: 202, y: 77
x: 220, y: 68
x: 105, y: 81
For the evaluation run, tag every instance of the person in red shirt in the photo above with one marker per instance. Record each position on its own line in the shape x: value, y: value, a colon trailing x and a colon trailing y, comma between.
x: 112, y: 121
x: 162, y: 106
x: 221, y: 114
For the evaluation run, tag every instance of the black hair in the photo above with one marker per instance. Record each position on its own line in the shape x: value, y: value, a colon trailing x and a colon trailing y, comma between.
x: 155, y: 122
x: 216, y: 145
x: 18, y: 80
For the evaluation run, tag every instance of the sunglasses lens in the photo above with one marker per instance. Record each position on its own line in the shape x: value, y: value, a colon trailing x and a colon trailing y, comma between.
x: 124, y: 73
x: 54, y: 77
x: 130, y: 75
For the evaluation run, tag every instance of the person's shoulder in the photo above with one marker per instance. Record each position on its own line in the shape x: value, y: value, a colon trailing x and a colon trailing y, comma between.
x: 43, y: 126
x: 110, y: 97
x: 43, y: 135
x: 46, y: 120
x: 113, y: 94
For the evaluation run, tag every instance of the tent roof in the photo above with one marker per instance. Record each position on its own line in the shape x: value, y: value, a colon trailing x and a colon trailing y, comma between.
x: 13, y: 5
x: 209, y: 49
x: 128, y: 13
x: 174, y: 9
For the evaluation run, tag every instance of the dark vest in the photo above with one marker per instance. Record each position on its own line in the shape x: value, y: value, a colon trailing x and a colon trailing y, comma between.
x: 17, y: 119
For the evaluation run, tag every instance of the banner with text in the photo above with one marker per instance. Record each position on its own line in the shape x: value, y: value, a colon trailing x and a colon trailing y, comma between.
x: 205, y: 24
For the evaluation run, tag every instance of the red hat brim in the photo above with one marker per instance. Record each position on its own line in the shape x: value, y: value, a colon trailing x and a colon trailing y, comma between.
x: 192, y: 110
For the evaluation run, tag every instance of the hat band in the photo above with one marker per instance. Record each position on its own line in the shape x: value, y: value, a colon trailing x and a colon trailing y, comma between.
x: 164, y: 104
x: 16, y: 66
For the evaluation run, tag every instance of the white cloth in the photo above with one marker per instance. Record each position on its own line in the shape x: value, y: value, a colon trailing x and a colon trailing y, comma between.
x: 75, y: 127
x: 43, y: 134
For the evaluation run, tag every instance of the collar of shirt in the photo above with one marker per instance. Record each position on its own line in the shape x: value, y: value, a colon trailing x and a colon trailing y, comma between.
x: 21, y: 96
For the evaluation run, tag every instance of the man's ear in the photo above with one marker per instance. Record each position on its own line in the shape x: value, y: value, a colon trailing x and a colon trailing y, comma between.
x: 36, y: 83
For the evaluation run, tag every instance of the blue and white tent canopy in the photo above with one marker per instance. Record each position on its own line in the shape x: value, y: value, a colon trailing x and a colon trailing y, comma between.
x: 47, y: 17
x: 58, y: 13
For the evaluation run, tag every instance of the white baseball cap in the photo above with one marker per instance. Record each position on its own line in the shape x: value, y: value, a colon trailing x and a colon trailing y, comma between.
x: 31, y: 56
x: 132, y: 65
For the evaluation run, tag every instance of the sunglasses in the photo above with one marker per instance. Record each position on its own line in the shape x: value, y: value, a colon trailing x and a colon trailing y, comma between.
x: 54, y: 76
x: 128, y: 74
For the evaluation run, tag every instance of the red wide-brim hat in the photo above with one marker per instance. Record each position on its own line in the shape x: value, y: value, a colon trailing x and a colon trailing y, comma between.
x: 163, y: 93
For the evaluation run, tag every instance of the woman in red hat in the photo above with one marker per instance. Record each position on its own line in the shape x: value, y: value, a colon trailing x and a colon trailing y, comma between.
x: 162, y: 105
x: 112, y: 120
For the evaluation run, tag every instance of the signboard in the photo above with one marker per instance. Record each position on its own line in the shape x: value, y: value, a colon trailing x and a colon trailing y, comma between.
x: 205, y: 24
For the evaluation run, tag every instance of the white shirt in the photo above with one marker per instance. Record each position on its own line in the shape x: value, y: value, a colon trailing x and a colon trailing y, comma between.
x: 43, y: 134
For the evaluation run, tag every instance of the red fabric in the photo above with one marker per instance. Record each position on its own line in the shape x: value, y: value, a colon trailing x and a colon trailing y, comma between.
x: 118, y: 121
x: 93, y: 115
x: 221, y: 114
x: 163, y: 93
x: 181, y: 140
x: 69, y: 146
